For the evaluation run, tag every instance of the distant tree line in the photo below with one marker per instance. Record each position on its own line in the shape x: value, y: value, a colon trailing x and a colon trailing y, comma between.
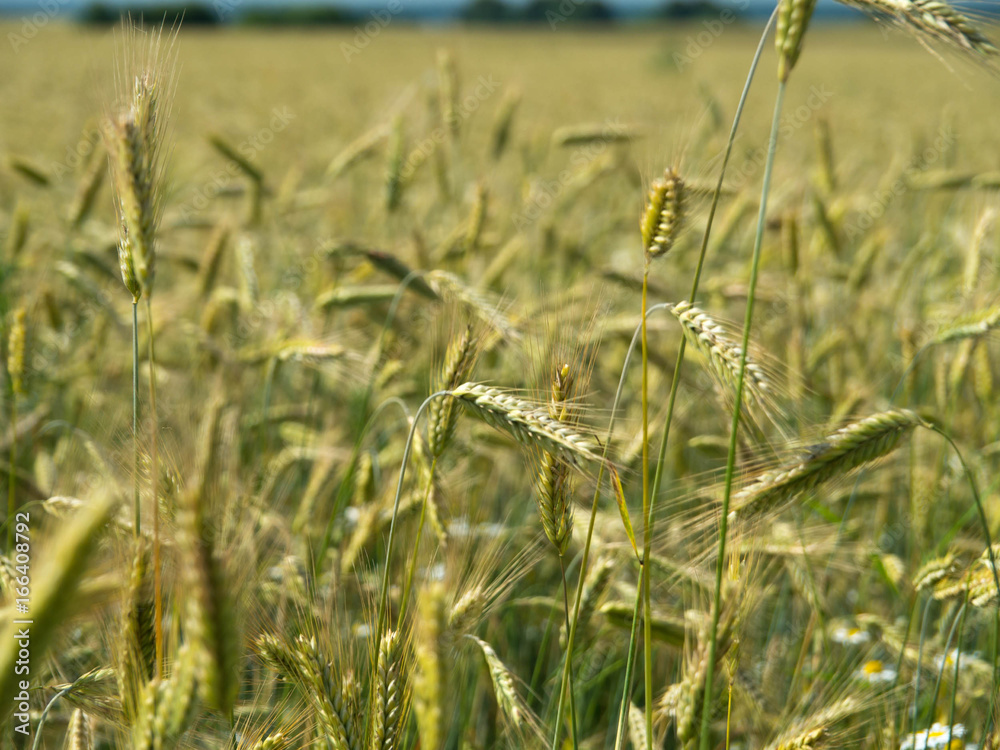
x: 549, y: 12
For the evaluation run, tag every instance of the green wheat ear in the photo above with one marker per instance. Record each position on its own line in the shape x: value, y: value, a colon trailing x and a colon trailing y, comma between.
x: 793, y: 20
x: 663, y: 215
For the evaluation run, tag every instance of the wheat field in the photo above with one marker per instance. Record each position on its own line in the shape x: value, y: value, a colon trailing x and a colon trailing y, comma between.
x: 414, y: 434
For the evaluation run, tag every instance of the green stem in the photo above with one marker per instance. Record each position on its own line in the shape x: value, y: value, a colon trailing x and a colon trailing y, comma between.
x: 383, y: 603
x: 944, y: 661
x: 572, y: 699
x: 647, y: 640
x: 571, y: 639
x: 925, y: 621
x: 153, y: 476
x: 734, y: 429
x: 384, y: 592
x: 629, y: 668
x: 416, y: 546
x: 136, y: 511
x: 12, y: 477
x: 995, y: 689
x: 675, y: 383
x: 958, y: 659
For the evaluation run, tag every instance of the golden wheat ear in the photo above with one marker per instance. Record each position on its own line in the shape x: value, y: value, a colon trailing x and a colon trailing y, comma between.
x: 135, y: 136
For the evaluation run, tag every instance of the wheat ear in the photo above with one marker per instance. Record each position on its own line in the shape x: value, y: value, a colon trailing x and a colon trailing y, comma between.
x: 526, y: 422
x: 387, y: 696
x: 15, y: 369
x: 855, y: 445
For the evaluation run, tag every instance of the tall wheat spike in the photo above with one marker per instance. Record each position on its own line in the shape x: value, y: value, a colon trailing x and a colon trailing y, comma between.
x: 387, y: 707
x: 80, y: 735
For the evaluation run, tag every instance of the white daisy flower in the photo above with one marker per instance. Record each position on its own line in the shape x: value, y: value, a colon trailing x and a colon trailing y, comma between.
x: 851, y: 636
x: 876, y: 672
x: 935, y: 737
x: 939, y: 734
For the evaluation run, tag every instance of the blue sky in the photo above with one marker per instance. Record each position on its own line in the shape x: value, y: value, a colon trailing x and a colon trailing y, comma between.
x: 631, y: 5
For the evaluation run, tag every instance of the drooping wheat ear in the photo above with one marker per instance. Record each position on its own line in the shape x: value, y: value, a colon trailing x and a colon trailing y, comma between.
x: 86, y: 191
x: 526, y: 422
x: 441, y: 412
x: 503, y: 684
x: 17, y: 234
x: 138, y: 632
x: 15, y: 369
x: 975, y: 584
x: 79, y: 735
x: 394, y: 168
x: 449, y: 286
x: 94, y: 693
x: 448, y: 91
x: 637, y: 727
x: 594, y: 587
x: 793, y: 20
x: 477, y: 217
x: 664, y: 214
x: 276, y: 741
x: 855, y: 445
x: 432, y: 672
x: 249, y: 285
x: 15, y: 351
x: 213, y: 625
x: 970, y: 326
x: 169, y: 707
x: 503, y: 121
x: 387, y: 706
x: 211, y: 260
x: 933, y: 571
x: 722, y: 352
x: 593, y: 132
x: 974, y: 256
x: 357, y: 150
x: 465, y: 612
x: 55, y: 588
x: 135, y: 139
x: 814, y: 731
x: 931, y: 18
